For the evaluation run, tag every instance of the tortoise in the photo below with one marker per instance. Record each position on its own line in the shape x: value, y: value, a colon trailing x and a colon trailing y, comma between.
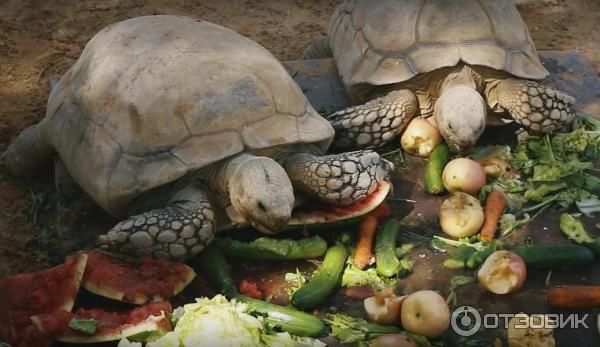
x: 181, y: 128
x: 450, y: 59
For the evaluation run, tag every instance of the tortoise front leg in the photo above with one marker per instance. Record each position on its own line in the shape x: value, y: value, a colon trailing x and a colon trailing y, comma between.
x: 339, y: 179
x: 535, y: 107
x: 178, y: 231
x: 376, y: 122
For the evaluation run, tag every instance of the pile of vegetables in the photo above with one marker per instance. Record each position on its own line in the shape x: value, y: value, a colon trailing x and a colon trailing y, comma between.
x: 219, y: 322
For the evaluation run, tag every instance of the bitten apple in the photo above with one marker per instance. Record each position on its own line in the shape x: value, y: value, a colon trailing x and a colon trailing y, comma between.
x: 392, y: 340
x: 503, y: 272
x: 420, y: 137
x: 384, y: 307
x: 461, y: 215
x: 425, y: 313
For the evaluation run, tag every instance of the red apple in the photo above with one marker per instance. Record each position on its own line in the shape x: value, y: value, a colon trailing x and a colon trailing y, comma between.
x: 503, y: 272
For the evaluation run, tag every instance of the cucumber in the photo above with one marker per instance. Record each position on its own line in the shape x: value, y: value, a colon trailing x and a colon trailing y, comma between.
x: 288, y: 319
x: 434, y: 168
x: 265, y: 248
x: 458, y: 259
x: 387, y: 263
x: 477, y: 258
x: 324, y: 282
x: 554, y: 256
x: 216, y: 268
x: 575, y: 231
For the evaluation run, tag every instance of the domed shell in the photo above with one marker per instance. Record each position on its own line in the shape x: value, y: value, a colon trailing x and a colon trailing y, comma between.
x: 154, y: 98
x: 389, y: 41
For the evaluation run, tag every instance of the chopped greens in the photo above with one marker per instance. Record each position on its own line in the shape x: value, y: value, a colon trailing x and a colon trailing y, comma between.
x: 348, y: 329
x: 87, y: 326
x: 297, y: 279
x: 353, y: 276
x: 554, y: 170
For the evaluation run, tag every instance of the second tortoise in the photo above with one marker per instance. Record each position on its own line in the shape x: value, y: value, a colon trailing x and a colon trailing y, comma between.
x: 453, y: 60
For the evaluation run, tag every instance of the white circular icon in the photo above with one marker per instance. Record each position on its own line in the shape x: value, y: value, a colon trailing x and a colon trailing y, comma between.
x: 466, y: 321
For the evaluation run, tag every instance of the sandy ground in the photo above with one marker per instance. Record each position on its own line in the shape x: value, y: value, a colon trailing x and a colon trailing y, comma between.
x: 41, y: 39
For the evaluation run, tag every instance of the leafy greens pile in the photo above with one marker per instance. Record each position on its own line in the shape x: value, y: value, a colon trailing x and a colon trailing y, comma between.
x: 553, y: 170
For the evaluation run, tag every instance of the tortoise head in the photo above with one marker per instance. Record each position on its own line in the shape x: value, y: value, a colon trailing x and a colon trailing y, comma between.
x: 460, y: 115
x: 261, y: 193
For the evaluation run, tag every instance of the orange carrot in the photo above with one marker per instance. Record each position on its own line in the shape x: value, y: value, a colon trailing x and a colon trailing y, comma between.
x: 382, y: 212
x: 494, y: 207
x: 574, y: 297
x: 364, y: 245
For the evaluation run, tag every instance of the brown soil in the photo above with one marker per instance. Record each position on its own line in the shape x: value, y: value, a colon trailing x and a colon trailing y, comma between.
x: 41, y: 39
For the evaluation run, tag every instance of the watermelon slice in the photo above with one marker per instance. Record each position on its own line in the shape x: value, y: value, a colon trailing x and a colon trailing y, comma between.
x: 135, y: 282
x: 144, y: 323
x: 23, y: 296
x: 322, y: 215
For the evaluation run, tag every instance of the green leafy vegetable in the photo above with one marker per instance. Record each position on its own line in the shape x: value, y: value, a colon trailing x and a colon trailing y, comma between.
x: 87, y: 326
x: 353, y: 276
x: 554, y: 171
x: 217, y: 321
x: 348, y: 329
x: 574, y: 229
x: 297, y: 279
x: 588, y: 206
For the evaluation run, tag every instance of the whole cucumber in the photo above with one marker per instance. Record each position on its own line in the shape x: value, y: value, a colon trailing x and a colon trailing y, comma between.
x: 554, y: 256
x: 387, y: 263
x: 434, y: 168
x: 313, y: 293
x: 216, y: 268
x: 265, y: 248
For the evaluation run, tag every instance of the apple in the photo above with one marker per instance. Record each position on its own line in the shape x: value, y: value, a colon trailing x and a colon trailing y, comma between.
x: 461, y: 215
x: 495, y: 167
x: 463, y: 175
x: 420, y: 137
x: 392, y: 340
x: 425, y: 313
x: 503, y: 272
x: 384, y: 307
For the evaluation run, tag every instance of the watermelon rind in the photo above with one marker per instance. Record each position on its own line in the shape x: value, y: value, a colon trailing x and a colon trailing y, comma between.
x: 80, y: 264
x: 326, y: 219
x: 148, y: 330
x: 104, y: 290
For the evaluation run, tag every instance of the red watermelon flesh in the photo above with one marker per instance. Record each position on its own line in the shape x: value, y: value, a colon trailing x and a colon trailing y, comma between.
x: 318, y: 214
x: 135, y: 282
x: 26, y: 295
x: 147, y: 322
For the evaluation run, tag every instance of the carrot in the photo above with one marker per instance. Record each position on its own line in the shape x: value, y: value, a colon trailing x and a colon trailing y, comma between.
x: 574, y: 296
x: 382, y: 212
x: 494, y: 207
x: 364, y: 245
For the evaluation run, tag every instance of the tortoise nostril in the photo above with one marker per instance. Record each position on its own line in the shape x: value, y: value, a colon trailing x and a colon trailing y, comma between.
x: 261, y: 206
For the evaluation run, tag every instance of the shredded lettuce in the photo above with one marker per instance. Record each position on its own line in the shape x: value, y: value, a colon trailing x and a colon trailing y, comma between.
x: 222, y: 323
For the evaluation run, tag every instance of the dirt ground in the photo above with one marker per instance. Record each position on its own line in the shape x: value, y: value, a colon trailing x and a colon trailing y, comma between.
x: 41, y: 39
